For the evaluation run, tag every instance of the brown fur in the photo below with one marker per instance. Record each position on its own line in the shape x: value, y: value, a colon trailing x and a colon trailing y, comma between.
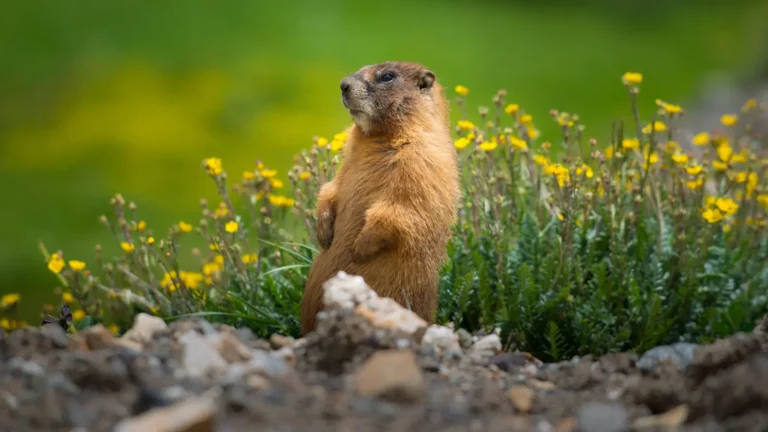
x: 387, y: 214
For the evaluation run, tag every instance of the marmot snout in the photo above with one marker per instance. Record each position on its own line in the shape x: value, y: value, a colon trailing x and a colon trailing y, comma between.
x: 387, y: 214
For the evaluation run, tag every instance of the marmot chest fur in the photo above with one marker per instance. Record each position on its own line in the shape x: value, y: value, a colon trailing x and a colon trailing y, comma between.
x: 387, y: 214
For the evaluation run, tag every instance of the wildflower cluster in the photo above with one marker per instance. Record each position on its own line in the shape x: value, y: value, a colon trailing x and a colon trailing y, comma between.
x: 571, y: 245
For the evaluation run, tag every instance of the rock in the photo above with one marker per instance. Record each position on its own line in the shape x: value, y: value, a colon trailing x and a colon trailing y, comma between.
x: 230, y: 348
x: 516, y: 362
x: 442, y: 338
x: 344, y: 291
x: 670, y: 419
x: 286, y: 353
x: 521, y: 398
x: 190, y: 415
x: 681, y: 354
x: 97, y: 337
x: 258, y: 382
x: 267, y: 364
x: 26, y: 367
x: 144, y: 327
x: 602, y: 417
x: 465, y: 339
x: 277, y: 341
x: 486, y: 348
x: 200, y: 357
x: 392, y: 375
x: 542, y: 385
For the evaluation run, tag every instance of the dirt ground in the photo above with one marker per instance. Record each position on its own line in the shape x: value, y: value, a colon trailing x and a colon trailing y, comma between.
x: 353, y: 376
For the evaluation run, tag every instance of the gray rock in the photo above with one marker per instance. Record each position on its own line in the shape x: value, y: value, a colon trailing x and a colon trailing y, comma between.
x: 486, y: 348
x: 465, y: 339
x: 602, y: 417
x: 682, y: 354
x: 391, y: 374
x: 200, y: 357
x: 190, y: 415
x: 29, y: 368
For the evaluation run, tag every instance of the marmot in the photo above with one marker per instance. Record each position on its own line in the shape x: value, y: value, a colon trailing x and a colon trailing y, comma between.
x: 388, y: 212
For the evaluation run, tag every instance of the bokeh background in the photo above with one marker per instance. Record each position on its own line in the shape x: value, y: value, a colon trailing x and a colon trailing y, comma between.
x: 99, y: 97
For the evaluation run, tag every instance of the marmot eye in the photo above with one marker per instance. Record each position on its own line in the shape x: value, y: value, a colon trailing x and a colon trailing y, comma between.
x: 387, y: 77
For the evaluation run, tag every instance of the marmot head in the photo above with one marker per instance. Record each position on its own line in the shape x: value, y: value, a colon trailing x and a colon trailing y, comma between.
x: 389, y: 96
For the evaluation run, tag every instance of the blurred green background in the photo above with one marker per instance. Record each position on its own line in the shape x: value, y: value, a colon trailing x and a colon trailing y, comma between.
x: 100, y: 97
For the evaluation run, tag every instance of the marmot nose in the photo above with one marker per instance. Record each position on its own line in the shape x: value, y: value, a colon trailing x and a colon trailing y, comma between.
x: 345, y: 83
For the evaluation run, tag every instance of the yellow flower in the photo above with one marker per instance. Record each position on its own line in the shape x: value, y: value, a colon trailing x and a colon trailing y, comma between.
x: 680, y: 158
x: 729, y: 120
x: 190, y: 279
x: 250, y: 258
x: 526, y: 119
x: 609, y: 153
x: 281, y: 201
x: 337, y: 145
x: 471, y: 136
x: 740, y: 177
x: 259, y: 165
x: 9, y: 300
x: 219, y: 259
x: 304, y: 175
x: 541, y: 160
x: 727, y: 205
x: 488, y: 146
x: 518, y: 143
x: 185, y: 227
x: 560, y: 172
x: 701, y: 138
x: 231, y: 227
x: 211, y: 267
x: 695, y: 184
x: 151, y: 241
x: 651, y: 159
x: 511, y: 109
x: 127, y: 247
x: 4, y: 323
x: 248, y: 175
x: 632, y: 78
x: 724, y: 151
x: 67, y: 298
x: 277, y: 184
x: 658, y: 126
x: 630, y: 143
x: 76, y: 265
x: 341, y: 136
x: 726, y: 228
x: 668, y: 107
x: 465, y: 125
x: 533, y: 133
x: 461, y: 143
x: 751, y: 184
x: 141, y: 226
x: 56, y: 263
x: 740, y: 157
x: 694, y: 170
x: 460, y: 89
x: 213, y: 166
x: 222, y: 210
x: 586, y: 170
x: 322, y: 142
x: 763, y: 199
x: 749, y: 104
x: 114, y: 329
x: 560, y: 217
x: 720, y: 166
x: 78, y: 315
x: 268, y: 173
x: 712, y: 215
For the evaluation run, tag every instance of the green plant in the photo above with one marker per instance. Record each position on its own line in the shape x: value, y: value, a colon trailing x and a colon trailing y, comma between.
x: 570, y: 247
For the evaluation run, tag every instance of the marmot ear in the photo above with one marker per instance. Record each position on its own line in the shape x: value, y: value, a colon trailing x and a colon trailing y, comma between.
x: 426, y: 79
